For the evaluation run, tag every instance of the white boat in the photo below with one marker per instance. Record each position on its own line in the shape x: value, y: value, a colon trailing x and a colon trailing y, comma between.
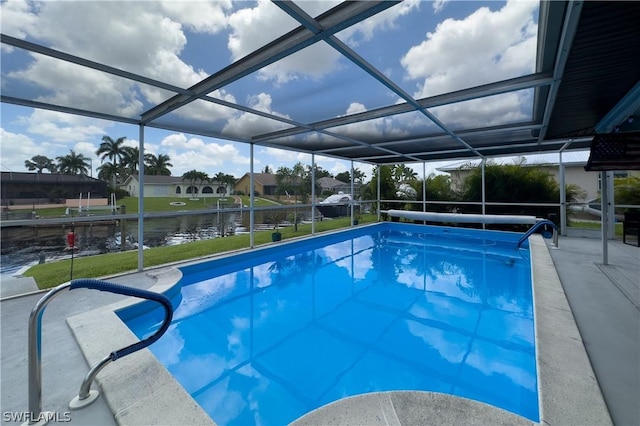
x: 336, y: 205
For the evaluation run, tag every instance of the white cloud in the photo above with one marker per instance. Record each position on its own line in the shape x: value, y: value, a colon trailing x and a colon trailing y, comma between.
x: 87, y: 149
x: 285, y: 157
x: 392, y: 127
x: 140, y: 39
x: 63, y: 128
x: 106, y: 94
x: 254, y: 27
x: 17, y: 18
x: 16, y: 148
x: 491, y: 111
x: 383, y: 21
x: 438, y: 5
x: 208, y: 112
x: 251, y: 28
x: 148, y: 39
x: 194, y: 153
x: 199, y: 16
x: 53, y: 134
x: 313, y: 62
x: 180, y: 141
x: 486, y: 46
x: 247, y: 123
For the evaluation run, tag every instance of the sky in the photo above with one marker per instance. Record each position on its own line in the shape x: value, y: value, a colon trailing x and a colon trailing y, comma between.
x: 419, y: 44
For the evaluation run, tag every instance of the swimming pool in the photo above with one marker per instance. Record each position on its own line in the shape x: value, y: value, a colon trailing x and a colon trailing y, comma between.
x: 267, y: 336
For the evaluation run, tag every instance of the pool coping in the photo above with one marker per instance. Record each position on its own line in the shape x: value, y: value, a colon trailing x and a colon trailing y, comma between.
x: 141, y: 391
x: 568, y: 390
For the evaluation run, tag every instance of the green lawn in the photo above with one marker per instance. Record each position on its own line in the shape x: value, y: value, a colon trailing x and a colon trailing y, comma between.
x: 52, y: 274
x: 594, y: 225
x: 53, y: 212
x: 163, y: 204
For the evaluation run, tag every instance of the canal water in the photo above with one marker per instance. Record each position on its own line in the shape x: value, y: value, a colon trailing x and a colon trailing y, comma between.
x: 25, y: 246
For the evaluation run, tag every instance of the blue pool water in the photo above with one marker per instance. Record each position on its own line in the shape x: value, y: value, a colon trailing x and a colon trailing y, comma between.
x: 265, y: 337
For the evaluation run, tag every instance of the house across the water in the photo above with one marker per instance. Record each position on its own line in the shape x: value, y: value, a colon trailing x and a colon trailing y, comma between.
x: 174, y: 186
x: 23, y: 188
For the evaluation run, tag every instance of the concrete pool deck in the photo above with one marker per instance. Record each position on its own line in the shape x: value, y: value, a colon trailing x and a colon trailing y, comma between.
x: 603, y: 298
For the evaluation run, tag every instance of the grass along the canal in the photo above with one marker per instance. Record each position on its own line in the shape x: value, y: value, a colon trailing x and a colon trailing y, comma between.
x: 51, y: 274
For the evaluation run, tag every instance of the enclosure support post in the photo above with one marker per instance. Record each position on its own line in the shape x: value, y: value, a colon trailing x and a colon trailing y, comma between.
x: 123, y: 228
x: 313, y: 193
x: 484, y: 161
x: 352, y: 195
x: 378, y: 190
x: 563, y: 197
x: 251, y: 197
x: 424, y: 186
x: 604, y: 196
x: 611, y: 213
x: 140, y: 201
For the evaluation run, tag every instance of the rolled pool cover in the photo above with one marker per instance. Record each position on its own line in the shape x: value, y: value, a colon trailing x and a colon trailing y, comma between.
x: 463, y: 218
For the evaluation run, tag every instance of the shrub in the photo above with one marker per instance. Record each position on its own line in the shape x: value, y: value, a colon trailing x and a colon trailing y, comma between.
x: 512, y: 183
x: 627, y: 190
x: 121, y: 193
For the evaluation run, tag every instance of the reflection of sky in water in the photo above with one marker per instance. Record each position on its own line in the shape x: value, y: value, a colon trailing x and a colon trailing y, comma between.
x: 269, y: 342
x: 352, y: 255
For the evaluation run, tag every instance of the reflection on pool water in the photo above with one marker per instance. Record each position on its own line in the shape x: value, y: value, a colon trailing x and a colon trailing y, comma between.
x: 266, y: 337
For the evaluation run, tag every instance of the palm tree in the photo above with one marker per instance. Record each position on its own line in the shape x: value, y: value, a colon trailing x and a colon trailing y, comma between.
x: 158, y: 165
x: 343, y: 177
x: 358, y: 176
x: 39, y: 163
x: 387, y: 186
x: 402, y: 173
x: 73, y: 164
x: 294, y: 180
x: 107, y: 171
x: 194, y: 176
x: 224, y: 180
x: 113, y: 150
x: 129, y: 159
x: 319, y: 171
x: 284, y: 180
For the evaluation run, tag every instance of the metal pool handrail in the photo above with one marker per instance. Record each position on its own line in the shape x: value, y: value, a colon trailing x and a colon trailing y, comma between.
x: 85, y: 396
x: 537, y: 226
